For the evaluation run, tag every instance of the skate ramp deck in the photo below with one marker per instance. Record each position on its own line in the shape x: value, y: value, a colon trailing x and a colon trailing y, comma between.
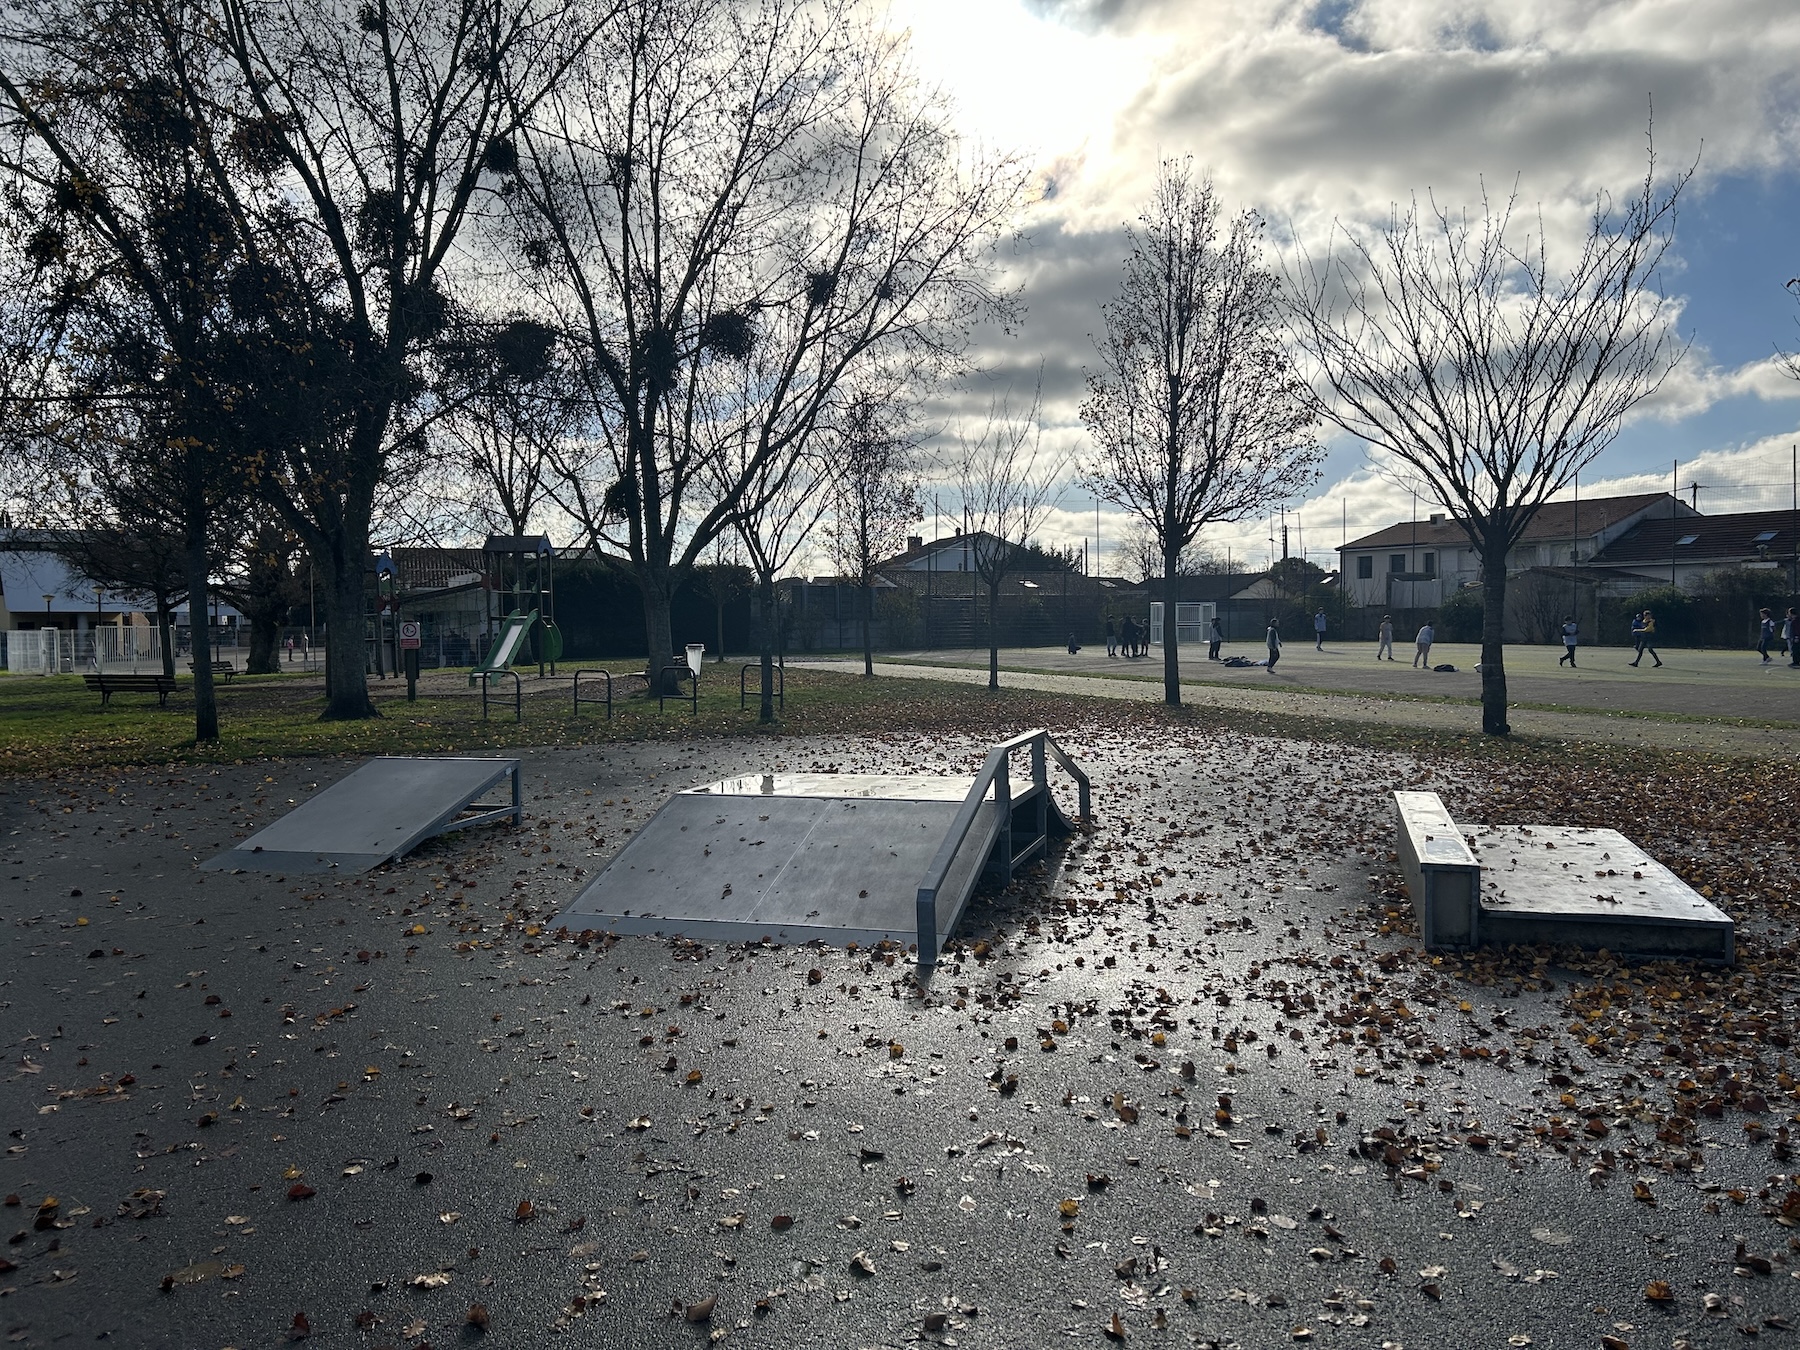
x: 380, y: 812
x: 1503, y: 885
x: 1593, y: 888
x: 792, y: 858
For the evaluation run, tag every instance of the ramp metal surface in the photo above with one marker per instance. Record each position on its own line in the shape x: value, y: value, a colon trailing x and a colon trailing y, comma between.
x: 382, y: 811
x: 790, y: 857
x: 1592, y: 888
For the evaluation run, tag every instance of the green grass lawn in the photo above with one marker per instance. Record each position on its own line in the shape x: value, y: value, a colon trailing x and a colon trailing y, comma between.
x: 54, y: 723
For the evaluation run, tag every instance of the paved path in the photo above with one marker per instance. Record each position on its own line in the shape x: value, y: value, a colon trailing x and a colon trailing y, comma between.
x: 1605, y: 728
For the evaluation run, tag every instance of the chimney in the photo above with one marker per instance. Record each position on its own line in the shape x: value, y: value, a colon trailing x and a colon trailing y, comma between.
x: 1437, y: 518
x: 958, y: 532
x: 914, y: 542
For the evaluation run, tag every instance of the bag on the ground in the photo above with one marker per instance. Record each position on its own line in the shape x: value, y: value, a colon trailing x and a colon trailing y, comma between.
x: 1446, y: 668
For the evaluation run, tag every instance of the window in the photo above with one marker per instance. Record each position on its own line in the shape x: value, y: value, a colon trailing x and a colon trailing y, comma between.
x: 1396, y: 562
x: 1365, y: 567
x: 1687, y: 539
x: 1431, y: 564
x: 1767, y: 536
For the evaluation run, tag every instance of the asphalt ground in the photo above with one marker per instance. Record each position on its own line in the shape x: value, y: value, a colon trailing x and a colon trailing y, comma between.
x: 1194, y: 1076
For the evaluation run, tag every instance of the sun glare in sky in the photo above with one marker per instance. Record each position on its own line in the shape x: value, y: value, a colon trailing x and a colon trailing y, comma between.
x: 1023, y: 82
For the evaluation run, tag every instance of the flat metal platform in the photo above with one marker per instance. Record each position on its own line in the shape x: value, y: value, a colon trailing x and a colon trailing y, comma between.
x: 380, y: 812
x: 1592, y: 888
x: 791, y: 858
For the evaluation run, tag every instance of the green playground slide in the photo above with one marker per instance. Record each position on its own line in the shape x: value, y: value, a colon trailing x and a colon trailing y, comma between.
x: 506, y: 646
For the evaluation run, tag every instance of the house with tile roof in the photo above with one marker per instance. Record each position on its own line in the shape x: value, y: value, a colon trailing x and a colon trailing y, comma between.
x: 1684, y: 549
x: 1417, y: 563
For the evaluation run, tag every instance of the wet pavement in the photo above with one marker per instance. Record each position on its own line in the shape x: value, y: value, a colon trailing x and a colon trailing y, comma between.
x: 1193, y: 1077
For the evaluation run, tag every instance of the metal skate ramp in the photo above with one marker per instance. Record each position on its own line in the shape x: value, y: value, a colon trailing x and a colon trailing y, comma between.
x: 1474, y: 885
x: 1593, y: 888
x: 380, y: 812
x: 833, y: 857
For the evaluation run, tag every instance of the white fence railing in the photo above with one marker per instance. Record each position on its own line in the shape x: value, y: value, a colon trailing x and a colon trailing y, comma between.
x: 136, y: 647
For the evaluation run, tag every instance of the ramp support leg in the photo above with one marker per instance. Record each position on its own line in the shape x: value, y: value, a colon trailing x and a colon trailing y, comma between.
x: 518, y: 811
x: 1003, y: 798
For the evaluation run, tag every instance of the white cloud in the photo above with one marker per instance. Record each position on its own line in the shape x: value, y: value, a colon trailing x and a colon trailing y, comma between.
x: 1321, y: 110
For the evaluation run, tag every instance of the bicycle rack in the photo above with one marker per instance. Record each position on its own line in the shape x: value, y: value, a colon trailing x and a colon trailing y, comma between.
x: 780, y: 683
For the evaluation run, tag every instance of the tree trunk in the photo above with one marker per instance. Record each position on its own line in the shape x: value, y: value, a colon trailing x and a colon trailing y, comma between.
x: 346, y: 658
x: 206, y: 707
x: 994, y: 635
x: 165, y: 634
x: 766, y: 589
x: 1171, y: 645
x: 868, y: 625
x: 1493, y: 652
x: 659, y: 631
x: 265, y: 643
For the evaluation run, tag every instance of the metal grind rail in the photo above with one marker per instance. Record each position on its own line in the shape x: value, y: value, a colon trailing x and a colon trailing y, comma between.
x: 996, y: 774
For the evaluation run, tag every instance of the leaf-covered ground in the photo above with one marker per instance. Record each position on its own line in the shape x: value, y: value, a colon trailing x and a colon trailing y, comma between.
x: 1192, y: 1083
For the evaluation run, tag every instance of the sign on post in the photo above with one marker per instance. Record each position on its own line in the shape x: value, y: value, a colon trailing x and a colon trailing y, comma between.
x: 409, y: 635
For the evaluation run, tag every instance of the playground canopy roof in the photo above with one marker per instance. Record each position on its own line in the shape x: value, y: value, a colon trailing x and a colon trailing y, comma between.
x: 518, y: 543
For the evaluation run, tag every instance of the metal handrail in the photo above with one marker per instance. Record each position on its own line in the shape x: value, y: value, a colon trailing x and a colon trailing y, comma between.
x: 603, y: 674
x: 995, y: 773
x: 518, y: 693
x: 681, y: 671
x: 780, y: 683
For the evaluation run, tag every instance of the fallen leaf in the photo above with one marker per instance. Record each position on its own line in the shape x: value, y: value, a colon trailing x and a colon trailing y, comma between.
x: 701, y: 1311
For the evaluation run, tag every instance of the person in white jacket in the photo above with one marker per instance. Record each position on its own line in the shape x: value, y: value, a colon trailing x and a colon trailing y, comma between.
x: 1386, y: 641
x: 1274, y: 643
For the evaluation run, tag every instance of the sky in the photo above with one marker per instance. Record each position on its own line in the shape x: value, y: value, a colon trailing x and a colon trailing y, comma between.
x: 1320, y: 111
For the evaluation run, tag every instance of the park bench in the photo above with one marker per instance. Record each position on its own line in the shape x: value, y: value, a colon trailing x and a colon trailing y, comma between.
x: 220, y: 669
x: 1442, y: 876
x: 109, y: 684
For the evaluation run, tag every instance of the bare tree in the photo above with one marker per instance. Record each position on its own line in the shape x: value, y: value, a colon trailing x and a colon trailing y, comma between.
x: 738, y: 211
x: 780, y: 503
x: 874, y: 504
x: 1196, y: 413
x: 1007, y: 483
x: 1139, y: 554
x: 512, y: 403
x: 1492, y: 375
x: 327, y: 155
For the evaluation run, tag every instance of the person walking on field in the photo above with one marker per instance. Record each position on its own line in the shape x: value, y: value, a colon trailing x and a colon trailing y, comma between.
x: 1765, y: 634
x: 1274, y: 643
x: 1386, y: 640
x: 1112, y: 637
x: 1319, y: 631
x: 1422, y: 657
x: 1214, y: 638
x: 1643, y: 628
x: 1570, y: 635
x: 1793, y: 637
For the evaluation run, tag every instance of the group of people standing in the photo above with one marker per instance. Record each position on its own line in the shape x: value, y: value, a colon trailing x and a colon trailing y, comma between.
x: 1130, y: 638
x: 1790, y: 636
x: 1133, y: 638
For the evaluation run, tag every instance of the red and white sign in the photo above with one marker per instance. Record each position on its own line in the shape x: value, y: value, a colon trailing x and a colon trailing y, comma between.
x: 409, y: 634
